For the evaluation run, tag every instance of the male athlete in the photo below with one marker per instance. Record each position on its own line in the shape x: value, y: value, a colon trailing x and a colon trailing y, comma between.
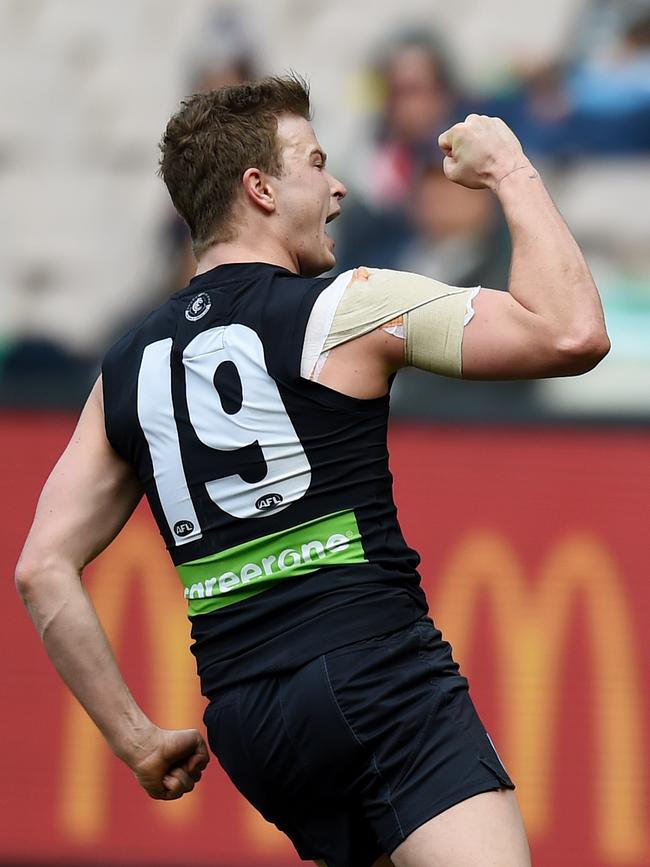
x: 251, y: 408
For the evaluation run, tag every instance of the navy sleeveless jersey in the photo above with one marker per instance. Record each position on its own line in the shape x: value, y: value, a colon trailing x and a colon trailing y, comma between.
x: 272, y: 492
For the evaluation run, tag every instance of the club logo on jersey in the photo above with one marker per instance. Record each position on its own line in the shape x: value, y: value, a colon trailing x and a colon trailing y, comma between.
x: 198, y: 307
x: 268, y: 501
x: 183, y: 528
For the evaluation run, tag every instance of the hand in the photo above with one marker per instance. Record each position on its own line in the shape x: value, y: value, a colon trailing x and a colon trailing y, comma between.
x: 170, y: 763
x: 481, y: 152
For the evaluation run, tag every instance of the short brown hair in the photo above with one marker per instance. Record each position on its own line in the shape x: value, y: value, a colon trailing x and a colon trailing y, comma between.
x: 211, y: 141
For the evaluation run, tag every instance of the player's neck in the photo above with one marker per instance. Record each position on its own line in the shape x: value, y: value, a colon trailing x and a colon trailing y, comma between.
x: 239, y: 251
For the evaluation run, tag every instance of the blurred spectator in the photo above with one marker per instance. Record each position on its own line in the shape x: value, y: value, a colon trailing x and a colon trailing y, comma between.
x: 597, y: 104
x: 413, y: 219
x: 419, y: 99
x: 538, y: 108
x: 619, y: 81
x: 459, y: 235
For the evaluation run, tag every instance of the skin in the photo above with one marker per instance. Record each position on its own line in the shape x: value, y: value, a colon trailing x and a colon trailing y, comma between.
x: 549, y: 323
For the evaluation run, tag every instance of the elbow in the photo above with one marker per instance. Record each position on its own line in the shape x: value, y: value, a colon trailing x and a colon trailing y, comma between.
x: 26, y: 577
x: 46, y: 584
x: 36, y: 573
x: 582, y: 351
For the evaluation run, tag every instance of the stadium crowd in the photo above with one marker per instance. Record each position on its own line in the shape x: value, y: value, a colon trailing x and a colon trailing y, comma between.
x: 583, y: 115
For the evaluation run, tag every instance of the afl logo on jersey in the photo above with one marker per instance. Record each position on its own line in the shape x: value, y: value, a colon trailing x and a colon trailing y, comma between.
x: 198, y: 307
x: 268, y: 501
x: 183, y: 528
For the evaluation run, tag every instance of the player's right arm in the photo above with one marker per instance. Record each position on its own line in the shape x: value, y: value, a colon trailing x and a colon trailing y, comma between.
x: 85, y: 502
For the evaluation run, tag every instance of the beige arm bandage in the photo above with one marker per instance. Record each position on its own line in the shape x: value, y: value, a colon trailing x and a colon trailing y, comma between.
x: 363, y: 300
x: 434, y: 333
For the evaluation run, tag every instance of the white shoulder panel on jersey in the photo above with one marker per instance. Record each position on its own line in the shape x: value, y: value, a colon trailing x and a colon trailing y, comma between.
x: 359, y: 301
x: 320, y: 322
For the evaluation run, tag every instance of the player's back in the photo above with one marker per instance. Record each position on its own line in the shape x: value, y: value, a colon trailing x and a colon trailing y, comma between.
x: 272, y: 492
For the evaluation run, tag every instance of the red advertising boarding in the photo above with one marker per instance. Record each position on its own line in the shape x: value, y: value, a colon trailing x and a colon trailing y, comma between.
x: 535, y: 550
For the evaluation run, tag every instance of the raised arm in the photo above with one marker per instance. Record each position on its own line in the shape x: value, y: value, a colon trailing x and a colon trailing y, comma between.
x: 550, y: 322
x: 86, y: 501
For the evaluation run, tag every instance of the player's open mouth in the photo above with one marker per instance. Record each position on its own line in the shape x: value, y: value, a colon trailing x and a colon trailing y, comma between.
x: 329, y: 219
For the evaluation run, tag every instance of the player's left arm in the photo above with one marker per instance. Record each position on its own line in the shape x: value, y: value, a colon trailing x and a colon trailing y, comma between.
x: 550, y: 321
x: 87, y: 499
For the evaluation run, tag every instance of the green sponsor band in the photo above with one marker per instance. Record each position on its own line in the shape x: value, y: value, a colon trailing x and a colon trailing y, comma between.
x: 243, y: 571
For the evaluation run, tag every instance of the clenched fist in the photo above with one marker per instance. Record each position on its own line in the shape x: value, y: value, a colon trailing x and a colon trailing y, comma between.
x: 169, y: 763
x: 481, y: 152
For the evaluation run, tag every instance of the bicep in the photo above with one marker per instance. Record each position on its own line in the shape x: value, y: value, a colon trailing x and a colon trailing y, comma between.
x: 87, y: 498
x: 504, y: 340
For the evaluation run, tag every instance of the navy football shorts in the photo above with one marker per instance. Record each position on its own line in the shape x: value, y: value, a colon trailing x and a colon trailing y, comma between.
x: 355, y: 750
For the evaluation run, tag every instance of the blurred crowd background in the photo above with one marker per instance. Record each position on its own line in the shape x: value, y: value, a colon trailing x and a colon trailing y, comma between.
x: 91, y: 242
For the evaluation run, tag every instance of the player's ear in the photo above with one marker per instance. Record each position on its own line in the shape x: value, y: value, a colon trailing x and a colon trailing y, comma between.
x: 258, y: 190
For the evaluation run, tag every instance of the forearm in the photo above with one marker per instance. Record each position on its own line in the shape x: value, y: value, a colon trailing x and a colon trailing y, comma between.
x: 77, y: 645
x: 549, y: 275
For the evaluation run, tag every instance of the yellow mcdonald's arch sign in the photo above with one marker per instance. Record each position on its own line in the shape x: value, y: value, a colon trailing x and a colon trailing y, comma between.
x: 531, y: 639
x: 531, y: 636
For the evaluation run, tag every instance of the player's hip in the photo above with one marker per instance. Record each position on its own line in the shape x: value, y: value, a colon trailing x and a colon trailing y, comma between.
x: 354, y: 750
x: 330, y: 721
